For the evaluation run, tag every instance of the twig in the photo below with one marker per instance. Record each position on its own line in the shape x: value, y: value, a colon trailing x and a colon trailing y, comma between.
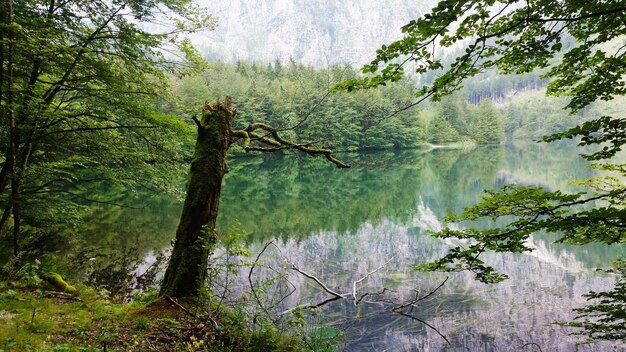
x: 356, y: 301
x: 256, y: 297
x: 174, y: 302
x: 423, y: 322
x: 321, y: 284
x: 422, y: 298
x: 398, y: 309
x: 293, y: 289
x: 532, y: 344
x: 370, y: 294
x: 310, y: 306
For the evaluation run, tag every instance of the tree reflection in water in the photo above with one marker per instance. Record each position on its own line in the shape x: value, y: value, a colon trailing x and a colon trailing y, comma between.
x: 341, y: 224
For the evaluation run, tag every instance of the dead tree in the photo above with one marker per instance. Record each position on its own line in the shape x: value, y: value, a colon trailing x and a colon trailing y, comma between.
x: 196, y: 234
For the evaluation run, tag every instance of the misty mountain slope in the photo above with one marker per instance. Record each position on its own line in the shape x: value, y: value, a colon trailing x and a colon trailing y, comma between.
x: 314, y: 32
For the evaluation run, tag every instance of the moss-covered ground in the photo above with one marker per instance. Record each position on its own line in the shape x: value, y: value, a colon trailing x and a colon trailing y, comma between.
x: 38, y: 318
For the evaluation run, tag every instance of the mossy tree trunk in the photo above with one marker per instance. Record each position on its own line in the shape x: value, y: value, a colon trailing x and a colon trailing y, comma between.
x: 196, y: 234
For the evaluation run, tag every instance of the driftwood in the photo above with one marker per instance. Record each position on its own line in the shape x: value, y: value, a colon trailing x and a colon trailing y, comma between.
x: 352, y: 295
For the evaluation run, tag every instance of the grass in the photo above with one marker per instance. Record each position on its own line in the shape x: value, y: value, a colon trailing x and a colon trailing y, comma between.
x: 37, y: 319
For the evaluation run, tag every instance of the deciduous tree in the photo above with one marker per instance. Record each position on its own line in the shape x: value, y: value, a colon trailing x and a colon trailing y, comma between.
x: 78, y: 82
x: 519, y: 37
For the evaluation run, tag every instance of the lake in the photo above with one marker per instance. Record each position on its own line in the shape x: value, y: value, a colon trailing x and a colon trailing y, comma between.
x: 340, y: 225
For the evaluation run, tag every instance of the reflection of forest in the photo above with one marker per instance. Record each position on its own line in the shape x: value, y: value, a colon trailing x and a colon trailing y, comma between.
x: 293, y: 198
x: 342, y: 223
x: 287, y: 197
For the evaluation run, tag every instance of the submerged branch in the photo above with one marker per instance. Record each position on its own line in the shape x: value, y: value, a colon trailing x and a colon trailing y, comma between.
x: 318, y: 281
x: 356, y: 301
x: 418, y: 299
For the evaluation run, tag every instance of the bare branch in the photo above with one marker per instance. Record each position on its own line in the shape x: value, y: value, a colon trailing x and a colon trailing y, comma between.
x: 356, y: 301
x: 338, y: 296
x: 425, y: 323
x: 532, y: 344
x: 320, y: 283
x: 370, y: 294
x: 174, y: 302
x: 312, y: 306
x: 276, y: 142
x: 417, y: 299
x: 256, y: 297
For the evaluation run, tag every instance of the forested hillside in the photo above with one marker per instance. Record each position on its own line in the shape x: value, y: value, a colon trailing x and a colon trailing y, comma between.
x: 300, y: 100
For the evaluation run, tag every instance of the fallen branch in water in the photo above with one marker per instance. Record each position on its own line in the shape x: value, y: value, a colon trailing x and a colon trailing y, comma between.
x: 335, y: 295
x: 356, y: 301
x: 320, y: 283
x: 417, y: 299
x: 398, y: 309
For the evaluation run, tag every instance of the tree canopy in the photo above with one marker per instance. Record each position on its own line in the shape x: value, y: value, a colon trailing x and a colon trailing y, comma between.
x: 79, y: 86
x: 579, y: 47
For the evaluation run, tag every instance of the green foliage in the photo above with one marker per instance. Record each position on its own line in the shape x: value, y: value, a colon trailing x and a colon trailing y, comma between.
x: 575, y: 45
x: 81, y: 89
x: 457, y: 120
x: 604, y: 319
x: 324, y: 339
x: 440, y: 131
x: 600, y: 131
x: 512, y: 39
x: 489, y: 126
x: 88, y: 322
x: 296, y: 100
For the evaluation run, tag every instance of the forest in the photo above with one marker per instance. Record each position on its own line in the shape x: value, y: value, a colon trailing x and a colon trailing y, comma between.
x: 156, y: 196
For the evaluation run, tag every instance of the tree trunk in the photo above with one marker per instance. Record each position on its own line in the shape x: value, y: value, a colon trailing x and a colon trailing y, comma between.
x: 196, y: 235
x: 6, y: 214
x: 16, y: 228
x: 13, y: 133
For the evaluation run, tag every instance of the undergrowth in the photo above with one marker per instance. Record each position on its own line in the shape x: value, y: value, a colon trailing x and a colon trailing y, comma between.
x: 35, y: 318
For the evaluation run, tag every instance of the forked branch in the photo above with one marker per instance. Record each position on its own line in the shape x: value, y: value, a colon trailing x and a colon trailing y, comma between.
x: 354, y: 284
x: 396, y: 309
x: 271, y: 141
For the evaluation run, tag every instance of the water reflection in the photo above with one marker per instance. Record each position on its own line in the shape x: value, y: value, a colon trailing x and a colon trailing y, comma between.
x: 341, y: 224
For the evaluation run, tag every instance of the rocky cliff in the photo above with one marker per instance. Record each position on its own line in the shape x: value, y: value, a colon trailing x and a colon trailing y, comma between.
x: 314, y: 32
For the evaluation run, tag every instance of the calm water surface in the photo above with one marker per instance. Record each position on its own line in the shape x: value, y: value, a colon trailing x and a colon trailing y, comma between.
x: 341, y: 224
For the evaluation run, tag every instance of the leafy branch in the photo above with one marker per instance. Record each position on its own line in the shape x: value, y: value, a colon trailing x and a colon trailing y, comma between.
x: 528, y: 210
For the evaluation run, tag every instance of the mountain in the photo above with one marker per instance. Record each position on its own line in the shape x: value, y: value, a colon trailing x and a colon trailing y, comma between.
x: 315, y: 32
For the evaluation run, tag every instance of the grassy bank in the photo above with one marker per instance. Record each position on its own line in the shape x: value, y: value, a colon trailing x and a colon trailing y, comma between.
x: 41, y: 318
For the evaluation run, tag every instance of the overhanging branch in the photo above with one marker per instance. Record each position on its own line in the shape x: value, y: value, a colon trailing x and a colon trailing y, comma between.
x: 275, y: 142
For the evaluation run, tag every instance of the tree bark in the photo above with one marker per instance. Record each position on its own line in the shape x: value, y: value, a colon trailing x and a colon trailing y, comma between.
x: 13, y: 133
x: 6, y: 214
x: 196, y: 234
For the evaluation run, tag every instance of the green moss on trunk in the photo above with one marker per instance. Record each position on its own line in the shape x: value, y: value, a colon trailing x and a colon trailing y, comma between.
x: 195, y: 236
